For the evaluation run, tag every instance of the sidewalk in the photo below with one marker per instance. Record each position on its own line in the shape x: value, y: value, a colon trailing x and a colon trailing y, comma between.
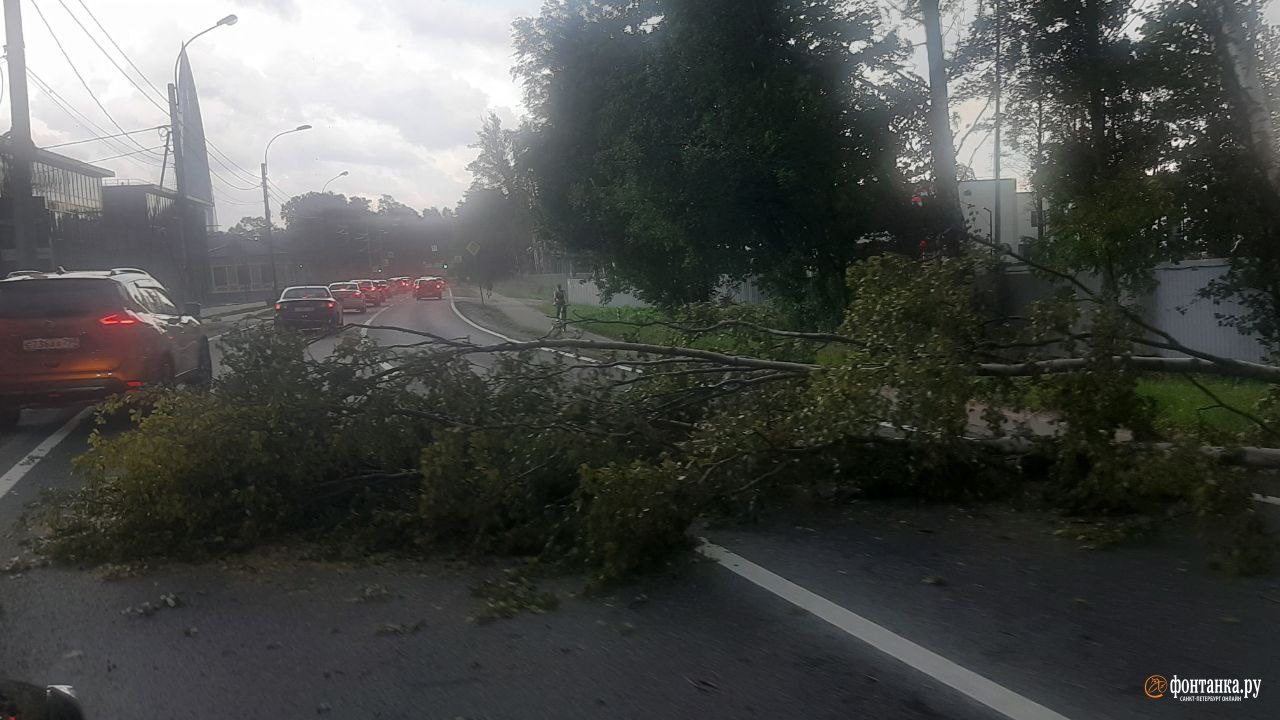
x: 521, y: 318
x: 212, y: 312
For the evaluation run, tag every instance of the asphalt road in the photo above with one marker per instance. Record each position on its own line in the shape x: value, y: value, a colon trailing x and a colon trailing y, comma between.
x: 267, y: 637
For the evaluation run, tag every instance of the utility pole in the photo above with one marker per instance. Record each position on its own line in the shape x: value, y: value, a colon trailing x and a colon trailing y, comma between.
x: 995, y: 152
x: 24, y: 236
x: 271, y: 248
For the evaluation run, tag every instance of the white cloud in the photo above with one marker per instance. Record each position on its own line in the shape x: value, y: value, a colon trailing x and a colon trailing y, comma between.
x: 395, y: 90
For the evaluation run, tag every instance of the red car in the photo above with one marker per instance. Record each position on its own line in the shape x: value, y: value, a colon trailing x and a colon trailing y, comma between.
x: 373, y: 294
x: 428, y: 287
x: 68, y: 338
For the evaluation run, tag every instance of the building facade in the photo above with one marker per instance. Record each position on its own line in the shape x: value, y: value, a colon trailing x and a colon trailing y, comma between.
x: 1019, y: 219
x: 67, y: 207
x: 142, y: 224
x: 240, y: 270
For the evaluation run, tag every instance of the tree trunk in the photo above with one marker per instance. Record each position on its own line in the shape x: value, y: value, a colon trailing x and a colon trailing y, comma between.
x: 945, y: 186
x: 1239, y: 58
x: 1092, y: 19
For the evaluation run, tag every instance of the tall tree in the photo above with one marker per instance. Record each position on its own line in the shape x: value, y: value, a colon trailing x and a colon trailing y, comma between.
x: 678, y: 144
x: 943, y: 146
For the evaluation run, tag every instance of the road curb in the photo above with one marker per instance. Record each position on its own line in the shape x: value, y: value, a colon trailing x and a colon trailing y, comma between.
x: 564, y: 353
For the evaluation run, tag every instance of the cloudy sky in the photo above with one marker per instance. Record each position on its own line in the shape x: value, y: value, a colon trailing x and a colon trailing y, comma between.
x: 395, y: 89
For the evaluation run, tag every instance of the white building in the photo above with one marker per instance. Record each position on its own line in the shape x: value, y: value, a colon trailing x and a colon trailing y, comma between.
x: 1018, y: 218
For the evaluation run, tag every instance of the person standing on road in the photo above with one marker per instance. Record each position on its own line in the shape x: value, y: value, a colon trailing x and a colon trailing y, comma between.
x: 562, y: 306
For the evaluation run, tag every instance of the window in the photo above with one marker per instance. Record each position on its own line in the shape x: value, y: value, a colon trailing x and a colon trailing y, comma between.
x: 63, y: 298
x: 305, y: 293
x: 255, y: 276
x: 161, y: 301
x: 220, y: 278
x: 242, y: 277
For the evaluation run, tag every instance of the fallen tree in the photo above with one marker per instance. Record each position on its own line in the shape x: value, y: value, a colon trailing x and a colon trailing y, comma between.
x: 410, y: 448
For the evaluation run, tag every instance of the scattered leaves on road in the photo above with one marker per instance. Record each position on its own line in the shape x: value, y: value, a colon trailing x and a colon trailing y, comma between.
x: 509, y: 595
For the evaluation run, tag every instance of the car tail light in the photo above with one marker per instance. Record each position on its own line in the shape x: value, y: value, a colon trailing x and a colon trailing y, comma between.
x: 122, y: 318
x: 330, y: 304
x: 133, y: 384
x: 357, y: 294
x: 279, y: 307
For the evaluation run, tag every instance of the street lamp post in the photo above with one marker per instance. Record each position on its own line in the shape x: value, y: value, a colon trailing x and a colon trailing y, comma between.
x: 344, y: 173
x: 266, y: 207
x: 179, y: 179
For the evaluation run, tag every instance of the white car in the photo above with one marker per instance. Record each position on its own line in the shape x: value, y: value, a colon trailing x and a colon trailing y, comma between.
x: 349, y: 294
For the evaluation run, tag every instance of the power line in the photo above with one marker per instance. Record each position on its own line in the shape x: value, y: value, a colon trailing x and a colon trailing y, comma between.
x: 103, y: 137
x: 219, y: 156
x: 230, y: 184
x: 76, y: 70
x: 80, y: 118
x: 121, y: 51
x: 112, y: 60
x: 113, y: 157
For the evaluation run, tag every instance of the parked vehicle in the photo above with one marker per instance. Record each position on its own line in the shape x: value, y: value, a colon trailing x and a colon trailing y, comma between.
x: 308, y: 306
x: 349, y: 294
x: 428, y: 287
x: 68, y: 338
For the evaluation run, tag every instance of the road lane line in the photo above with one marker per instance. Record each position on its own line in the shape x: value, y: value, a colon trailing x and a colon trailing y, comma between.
x: 1269, y: 499
x: 364, y: 331
x: 23, y: 466
x: 487, y: 331
x: 995, y: 696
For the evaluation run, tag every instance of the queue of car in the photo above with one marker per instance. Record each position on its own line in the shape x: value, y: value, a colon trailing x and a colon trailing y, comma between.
x: 76, y: 337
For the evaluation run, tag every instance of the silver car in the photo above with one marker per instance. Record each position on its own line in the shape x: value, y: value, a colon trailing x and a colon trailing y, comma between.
x: 349, y: 294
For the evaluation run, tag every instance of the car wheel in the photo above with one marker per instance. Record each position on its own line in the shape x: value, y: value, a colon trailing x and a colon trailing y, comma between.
x: 9, y: 417
x: 204, y: 371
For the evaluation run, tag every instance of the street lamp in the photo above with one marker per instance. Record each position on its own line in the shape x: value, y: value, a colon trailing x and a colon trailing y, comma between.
x: 266, y: 205
x: 175, y: 137
x: 344, y: 173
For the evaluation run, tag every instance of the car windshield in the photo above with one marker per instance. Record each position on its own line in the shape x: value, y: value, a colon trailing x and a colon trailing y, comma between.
x: 56, y: 298
x: 796, y: 359
x: 305, y: 293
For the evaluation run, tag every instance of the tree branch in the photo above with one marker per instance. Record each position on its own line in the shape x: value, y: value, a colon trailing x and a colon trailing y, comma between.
x: 1252, y: 371
x: 1232, y: 409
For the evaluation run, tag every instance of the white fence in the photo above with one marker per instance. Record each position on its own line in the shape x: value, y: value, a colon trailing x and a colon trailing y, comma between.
x: 1175, y: 306
x: 582, y: 291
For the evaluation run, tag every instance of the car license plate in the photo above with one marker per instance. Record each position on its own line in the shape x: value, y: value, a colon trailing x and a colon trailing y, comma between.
x: 67, y: 343
x: 304, y: 308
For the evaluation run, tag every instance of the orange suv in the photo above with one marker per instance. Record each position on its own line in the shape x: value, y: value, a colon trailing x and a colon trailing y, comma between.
x: 75, y: 337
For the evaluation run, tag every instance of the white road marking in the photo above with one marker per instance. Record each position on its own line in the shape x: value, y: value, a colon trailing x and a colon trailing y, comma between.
x: 1270, y: 499
x: 487, y: 331
x: 995, y: 696
x: 364, y: 331
x: 23, y: 466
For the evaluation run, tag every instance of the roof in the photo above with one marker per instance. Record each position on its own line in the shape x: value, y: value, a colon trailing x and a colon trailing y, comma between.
x: 52, y: 158
x: 223, y: 245
x: 49, y: 157
x: 145, y: 188
x: 119, y: 273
